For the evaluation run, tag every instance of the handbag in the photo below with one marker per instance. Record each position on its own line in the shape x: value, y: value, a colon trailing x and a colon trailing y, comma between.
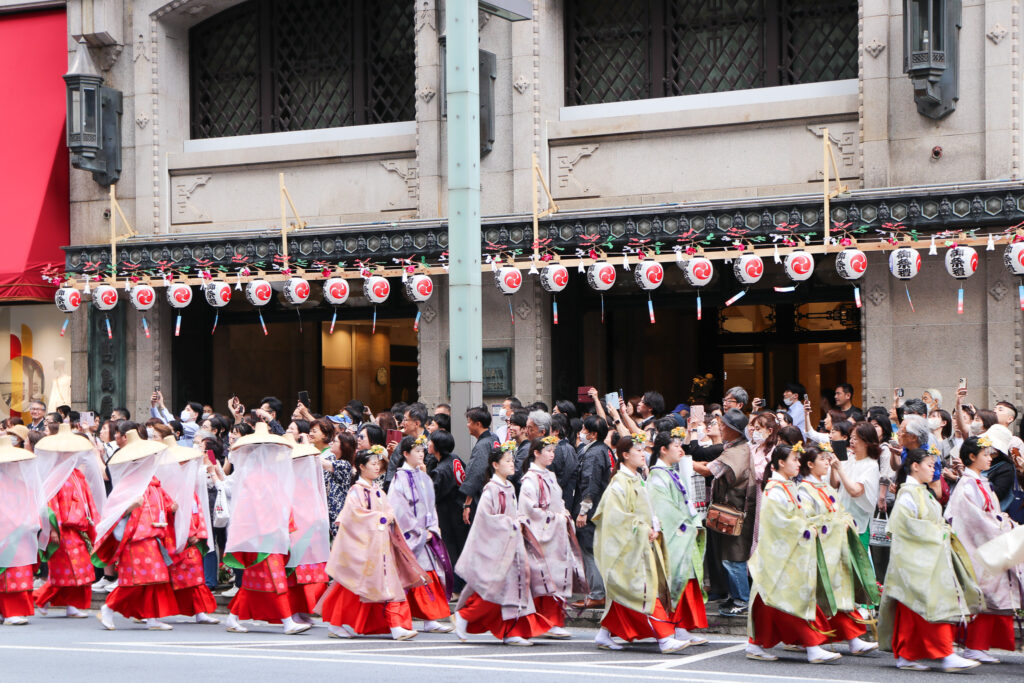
x: 725, y: 519
x: 221, y: 512
x: 880, y: 538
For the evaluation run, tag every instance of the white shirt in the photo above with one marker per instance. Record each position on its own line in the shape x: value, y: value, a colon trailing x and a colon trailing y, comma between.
x: 866, y: 473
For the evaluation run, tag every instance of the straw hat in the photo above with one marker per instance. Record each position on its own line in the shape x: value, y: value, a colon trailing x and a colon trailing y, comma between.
x: 260, y: 436
x: 64, y: 441
x: 20, y: 431
x: 137, y: 448
x: 8, y: 452
x: 301, y: 450
x: 180, y: 453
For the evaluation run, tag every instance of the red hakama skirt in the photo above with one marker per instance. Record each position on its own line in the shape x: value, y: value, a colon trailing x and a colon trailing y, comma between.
x: 49, y: 595
x: 151, y: 601
x: 428, y: 602
x: 16, y: 592
x: 70, y: 575
x: 483, y: 616
x: 190, y: 590
x: 913, y: 638
x: 989, y: 631
x: 342, y: 607
x: 306, y: 585
x: 631, y: 625
x: 772, y: 626
x: 264, y: 592
x: 846, y: 627
x: 690, y: 612
x: 551, y: 608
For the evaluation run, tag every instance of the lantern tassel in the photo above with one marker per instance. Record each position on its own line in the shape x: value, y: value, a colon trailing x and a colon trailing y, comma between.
x: 110, y: 334
x: 334, y: 318
x: 416, y: 322
x: 602, y: 308
x: 909, y: 300
x: 736, y: 297
x: 856, y: 295
x: 960, y: 301
x: 67, y: 320
x: 262, y: 324
x: 373, y: 330
x: 86, y: 290
x: 1020, y: 295
x: 991, y: 246
x: 533, y: 266
x: 510, y: 313
x: 650, y: 308
x: 216, y: 317
x: 580, y: 268
x: 625, y: 261
x: 177, y: 326
x: 775, y: 254
x: 699, y: 308
x: 298, y: 313
x: 785, y: 290
x: 145, y: 326
x: 932, y: 251
x: 554, y: 308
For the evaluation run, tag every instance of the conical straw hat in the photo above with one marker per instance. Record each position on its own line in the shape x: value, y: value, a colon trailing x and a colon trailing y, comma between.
x: 137, y: 448
x: 64, y: 441
x: 180, y: 453
x: 8, y: 452
x: 301, y: 450
x: 261, y: 435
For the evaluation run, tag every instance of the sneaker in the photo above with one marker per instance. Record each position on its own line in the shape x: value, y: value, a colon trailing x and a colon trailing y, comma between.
x: 101, y: 584
x: 735, y: 609
x: 229, y: 593
x: 111, y: 586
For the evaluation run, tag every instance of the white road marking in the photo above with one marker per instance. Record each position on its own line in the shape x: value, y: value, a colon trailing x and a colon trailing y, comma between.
x: 683, y: 661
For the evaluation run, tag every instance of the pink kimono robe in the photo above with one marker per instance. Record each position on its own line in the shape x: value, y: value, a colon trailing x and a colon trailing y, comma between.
x: 71, y: 571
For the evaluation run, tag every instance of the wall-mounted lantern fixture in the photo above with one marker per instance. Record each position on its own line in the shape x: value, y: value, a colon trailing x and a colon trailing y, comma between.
x: 931, y: 54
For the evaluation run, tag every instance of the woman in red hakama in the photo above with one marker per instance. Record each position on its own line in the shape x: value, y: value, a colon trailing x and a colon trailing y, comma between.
x: 71, y: 572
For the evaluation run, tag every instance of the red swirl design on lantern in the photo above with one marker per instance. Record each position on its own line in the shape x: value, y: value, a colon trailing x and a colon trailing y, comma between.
x: 183, y: 294
x: 301, y: 289
x: 606, y: 274
x: 655, y: 273
x: 338, y: 290
x: 754, y: 267
x: 974, y: 262
x: 75, y: 298
x: 701, y: 270
x: 917, y: 262
x: 425, y: 286
x: 513, y: 279
x: 560, y: 277
x: 859, y: 262
x: 108, y: 297
x: 801, y: 264
x: 144, y: 295
x: 381, y: 288
x: 1020, y: 258
x: 225, y: 293
x: 262, y: 291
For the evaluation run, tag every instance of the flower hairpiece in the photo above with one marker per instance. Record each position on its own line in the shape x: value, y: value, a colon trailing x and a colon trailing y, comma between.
x: 798, y: 447
x: 984, y: 442
x: 420, y: 440
x: 378, y: 450
x: 639, y: 438
x: 826, y: 447
x: 508, y: 447
x: 678, y: 433
x: 932, y: 450
x: 550, y: 440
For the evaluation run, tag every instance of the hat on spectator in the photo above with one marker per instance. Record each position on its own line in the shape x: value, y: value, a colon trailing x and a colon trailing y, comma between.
x: 20, y: 431
x: 680, y: 408
x: 1000, y: 437
x: 735, y: 420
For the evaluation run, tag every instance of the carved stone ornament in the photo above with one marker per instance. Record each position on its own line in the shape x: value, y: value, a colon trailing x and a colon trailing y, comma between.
x: 141, y: 48
x: 426, y: 94
x: 429, y: 313
x: 183, y: 210
x: 523, y: 310
x: 998, y: 290
x: 874, y: 47
x: 521, y: 85
x: 997, y: 33
x: 141, y: 119
x: 877, y: 295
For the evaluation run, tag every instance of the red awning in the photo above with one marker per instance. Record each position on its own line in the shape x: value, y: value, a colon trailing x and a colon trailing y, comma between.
x: 35, y: 209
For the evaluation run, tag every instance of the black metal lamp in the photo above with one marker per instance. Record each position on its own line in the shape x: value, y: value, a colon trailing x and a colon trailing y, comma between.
x: 93, y: 120
x: 931, y: 50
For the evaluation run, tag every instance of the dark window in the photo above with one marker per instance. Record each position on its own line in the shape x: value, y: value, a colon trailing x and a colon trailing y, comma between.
x: 634, y: 49
x: 276, y: 65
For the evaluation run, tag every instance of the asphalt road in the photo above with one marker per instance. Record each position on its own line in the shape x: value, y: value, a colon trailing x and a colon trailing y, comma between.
x: 55, y: 648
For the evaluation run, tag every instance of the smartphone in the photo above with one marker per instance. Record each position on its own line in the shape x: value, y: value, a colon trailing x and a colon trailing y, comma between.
x: 394, y: 435
x: 156, y: 387
x: 612, y: 399
x: 304, y: 398
x: 963, y: 383
x: 211, y: 457
x: 87, y: 418
x: 806, y: 398
x: 697, y: 413
x: 899, y: 393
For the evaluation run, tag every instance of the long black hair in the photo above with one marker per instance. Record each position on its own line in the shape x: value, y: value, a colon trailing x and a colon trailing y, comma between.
x: 494, y: 456
x: 536, y: 446
x: 780, y: 453
x: 444, y: 443
x: 970, y: 449
x: 661, y: 440
x: 914, y: 456
x: 807, y: 459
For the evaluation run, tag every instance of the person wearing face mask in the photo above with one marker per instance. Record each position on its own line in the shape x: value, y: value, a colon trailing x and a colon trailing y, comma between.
x: 792, y: 396
x: 189, y: 414
x: 593, y: 471
x: 764, y: 437
x: 501, y: 424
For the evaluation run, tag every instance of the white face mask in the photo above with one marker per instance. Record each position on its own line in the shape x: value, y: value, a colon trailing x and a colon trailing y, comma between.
x: 757, y: 437
x: 977, y: 428
x: 186, y: 415
x: 934, y: 423
x: 150, y: 433
x: 203, y: 434
x: 788, y: 401
x: 207, y: 416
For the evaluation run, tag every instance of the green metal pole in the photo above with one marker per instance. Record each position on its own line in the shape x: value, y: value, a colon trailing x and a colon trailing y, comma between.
x: 465, y: 324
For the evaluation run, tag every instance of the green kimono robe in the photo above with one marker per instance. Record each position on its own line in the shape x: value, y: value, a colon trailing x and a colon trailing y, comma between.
x: 929, y: 570
x: 632, y: 567
x: 682, y: 532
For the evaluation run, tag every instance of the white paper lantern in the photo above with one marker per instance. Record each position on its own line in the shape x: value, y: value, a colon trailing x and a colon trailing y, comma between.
x: 1013, y: 258
x: 377, y: 289
x: 104, y: 298
x: 258, y: 292
x: 296, y: 291
x: 649, y: 275
x: 508, y: 280
x: 904, y: 263
x: 601, y: 276
x: 142, y: 297
x: 218, y: 293
x: 179, y: 295
x: 961, y: 262
x: 554, y: 278
x: 799, y: 265
x: 697, y: 271
x: 748, y: 268
x: 336, y: 290
x: 851, y: 264
x: 418, y: 288
x: 68, y: 299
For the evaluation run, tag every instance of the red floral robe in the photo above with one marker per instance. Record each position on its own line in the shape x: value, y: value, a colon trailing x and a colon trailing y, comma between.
x: 187, y: 577
x: 264, y: 592
x: 143, y: 557
x: 16, y: 592
x: 306, y: 585
x: 70, y: 569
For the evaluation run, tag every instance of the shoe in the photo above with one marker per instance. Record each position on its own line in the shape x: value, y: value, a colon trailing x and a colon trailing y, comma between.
x: 460, y: 628
x: 101, y: 584
x: 587, y: 603
x: 557, y: 633
x: 399, y: 633
x: 436, y: 627
x: 75, y: 613
x: 685, y: 636
x: 234, y: 626
x: 670, y: 646
x: 907, y: 665
x: 229, y: 593
x: 759, y: 653
x: 301, y: 618
x: 860, y: 647
x: 204, y: 618
x: 37, y: 584
x: 111, y: 586
x: 980, y: 656
x: 106, y: 617
x: 293, y: 628
x: 15, y: 621
x: 954, y: 663
x: 343, y: 632
x: 735, y: 610
x: 516, y: 641
x: 157, y: 625
x: 43, y: 611
x: 604, y: 641
x: 819, y: 655
x: 794, y: 648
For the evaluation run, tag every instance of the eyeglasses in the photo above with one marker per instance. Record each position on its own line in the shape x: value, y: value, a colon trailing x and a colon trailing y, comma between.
x: 729, y: 399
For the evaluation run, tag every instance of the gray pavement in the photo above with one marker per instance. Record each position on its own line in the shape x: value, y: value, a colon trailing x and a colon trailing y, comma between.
x: 54, y: 649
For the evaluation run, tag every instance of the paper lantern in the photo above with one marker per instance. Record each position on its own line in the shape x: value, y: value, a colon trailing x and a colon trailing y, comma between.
x: 179, y: 295
x: 851, y: 264
x: 961, y: 262
x: 601, y: 276
x: 296, y: 291
x: 799, y: 265
x: 376, y: 289
x: 104, y: 298
x: 258, y: 292
x: 218, y: 293
x: 336, y: 290
x: 1013, y: 258
x: 418, y: 288
x: 142, y: 297
x: 508, y: 280
x: 554, y: 278
x: 904, y: 263
x: 697, y: 271
x: 649, y: 275
x: 748, y: 268
x: 68, y: 299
